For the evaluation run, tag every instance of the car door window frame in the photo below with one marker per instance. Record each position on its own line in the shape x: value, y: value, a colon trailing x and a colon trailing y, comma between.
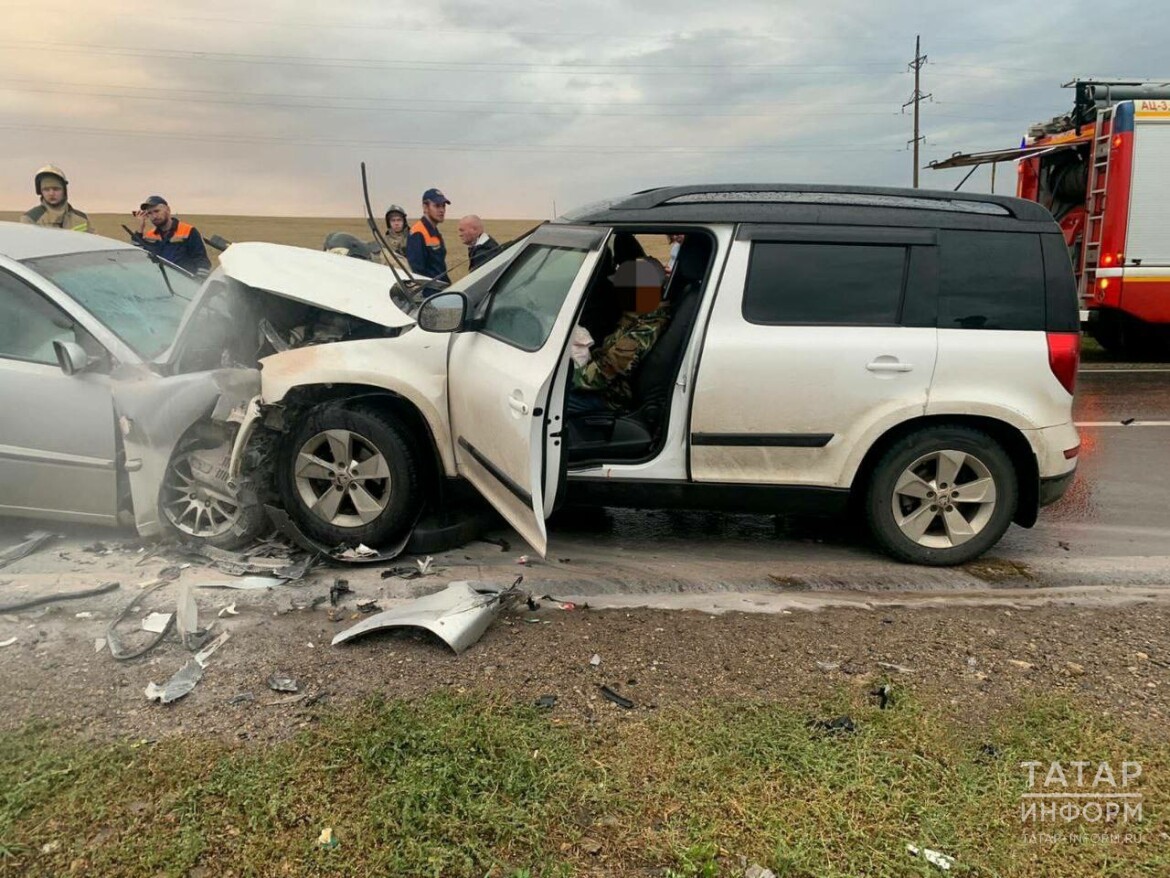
x: 47, y: 306
x: 916, y: 299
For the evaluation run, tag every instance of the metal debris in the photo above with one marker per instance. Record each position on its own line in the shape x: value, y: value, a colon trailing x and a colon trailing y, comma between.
x: 288, y: 527
x: 368, y: 607
x: 229, y: 610
x: 177, y: 686
x: 361, y: 552
x: 620, y: 700
x: 242, y: 698
x: 459, y: 614
x: 837, y: 725
x: 547, y: 702
x: 280, y: 683
x: 32, y: 542
x: 29, y: 603
x: 187, y: 613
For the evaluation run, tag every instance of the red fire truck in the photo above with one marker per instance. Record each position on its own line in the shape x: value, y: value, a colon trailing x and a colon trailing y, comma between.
x: 1104, y: 172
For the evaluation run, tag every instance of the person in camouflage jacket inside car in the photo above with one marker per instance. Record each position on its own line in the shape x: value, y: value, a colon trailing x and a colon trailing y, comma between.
x: 604, y: 381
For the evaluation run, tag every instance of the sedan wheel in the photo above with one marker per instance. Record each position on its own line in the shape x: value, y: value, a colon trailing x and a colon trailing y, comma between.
x: 196, y: 502
x: 342, y: 478
x: 943, y: 495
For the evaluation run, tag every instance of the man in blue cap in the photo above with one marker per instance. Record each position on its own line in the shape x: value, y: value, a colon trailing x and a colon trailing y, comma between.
x: 425, y: 250
x: 170, y: 238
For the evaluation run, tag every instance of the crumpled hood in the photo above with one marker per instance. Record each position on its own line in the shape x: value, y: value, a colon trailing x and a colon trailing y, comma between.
x: 327, y: 280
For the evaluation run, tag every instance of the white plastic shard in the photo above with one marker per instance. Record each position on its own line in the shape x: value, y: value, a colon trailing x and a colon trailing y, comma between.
x: 458, y: 615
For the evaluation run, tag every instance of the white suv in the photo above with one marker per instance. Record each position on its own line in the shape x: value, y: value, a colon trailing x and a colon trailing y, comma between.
x: 914, y: 352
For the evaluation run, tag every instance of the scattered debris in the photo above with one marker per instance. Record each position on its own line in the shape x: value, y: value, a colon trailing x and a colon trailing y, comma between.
x: 177, y: 686
x: 99, y: 644
x: 884, y: 695
x: 242, y: 698
x: 367, y: 607
x: 828, y: 666
x: 459, y: 614
x: 1127, y: 421
x: 29, y: 603
x: 620, y: 700
x: 50, y: 847
x: 115, y: 643
x: 8, y: 642
x: 596, y: 660
x: 229, y: 610
x: 84, y: 614
x: 327, y: 839
x: 564, y: 605
x: 933, y: 857
x: 1062, y: 544
x: 899, y: 669
x: 32, y: 542
x: 246, y: 583
x: 280, y: 519
x: 835, y: 726
x: 204, y: 654
x: 533, y: 606
x: 280, y: 683
x: 340, y: 587
x: 547, y: 702
x: 757, y: 871
x: 421, y: 568
x: 523, y: 559
x: 186, y: 614
x: 158, y: 623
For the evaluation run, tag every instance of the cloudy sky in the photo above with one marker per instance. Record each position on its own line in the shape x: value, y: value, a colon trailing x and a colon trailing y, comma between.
x: 267, y: 107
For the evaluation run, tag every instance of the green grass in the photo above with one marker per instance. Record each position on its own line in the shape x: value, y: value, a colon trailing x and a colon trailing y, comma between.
x: 473, y: 787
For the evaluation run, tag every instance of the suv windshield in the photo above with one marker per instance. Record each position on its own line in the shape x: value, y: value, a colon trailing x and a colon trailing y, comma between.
x: 141, y: 301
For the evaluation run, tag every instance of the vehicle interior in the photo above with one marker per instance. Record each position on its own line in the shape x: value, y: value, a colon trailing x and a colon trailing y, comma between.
x: 637, y: 432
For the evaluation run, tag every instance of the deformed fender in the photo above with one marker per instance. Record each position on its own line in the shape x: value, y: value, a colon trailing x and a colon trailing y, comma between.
x: 412, y: 366
x: 459, y: 614
x: 154, y: 413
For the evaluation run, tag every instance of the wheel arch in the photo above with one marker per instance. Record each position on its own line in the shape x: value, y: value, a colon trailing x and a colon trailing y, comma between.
x: 1010, y: 438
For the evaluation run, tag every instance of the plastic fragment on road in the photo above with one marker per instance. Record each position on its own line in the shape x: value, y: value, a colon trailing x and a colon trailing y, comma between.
x: 8, y: 642
x: 546, y: 702
x: 156, y: 623
x: 229, y: 610
x: 596, y: 660
x: 327, y: 839
x: 204, y: 654
x: 458, y: 614
x: 359, y: 552
x: 184, y: 680
x: 32, y: 542
x: 281, y: 521
x: 280, y: 683
x: 935, y: 858
x: 620, y: 700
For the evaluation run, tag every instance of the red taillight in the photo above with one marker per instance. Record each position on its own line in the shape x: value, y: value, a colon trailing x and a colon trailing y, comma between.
x: 1064, y: 355
x: 1070, y: 453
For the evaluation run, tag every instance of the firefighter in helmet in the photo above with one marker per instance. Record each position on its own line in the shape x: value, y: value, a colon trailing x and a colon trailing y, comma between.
x: 55, y: 210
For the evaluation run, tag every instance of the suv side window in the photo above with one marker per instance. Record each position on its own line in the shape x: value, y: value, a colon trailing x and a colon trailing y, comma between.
x: 990, y: 280
x: 825, y: 283
x: 30, y: 323
x: 527, y: 300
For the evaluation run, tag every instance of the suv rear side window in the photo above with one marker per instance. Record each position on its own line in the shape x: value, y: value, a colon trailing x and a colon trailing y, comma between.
x: 990, y: 280
x: 837, y: 284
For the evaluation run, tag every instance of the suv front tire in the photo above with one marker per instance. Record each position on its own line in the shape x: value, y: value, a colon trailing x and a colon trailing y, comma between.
x: 941, y: 496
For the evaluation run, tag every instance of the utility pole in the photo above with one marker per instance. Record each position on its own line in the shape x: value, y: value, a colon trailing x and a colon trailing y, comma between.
x: 917, y: 98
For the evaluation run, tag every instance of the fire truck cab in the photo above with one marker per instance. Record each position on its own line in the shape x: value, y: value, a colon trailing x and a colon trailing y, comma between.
x: 1103, y: 171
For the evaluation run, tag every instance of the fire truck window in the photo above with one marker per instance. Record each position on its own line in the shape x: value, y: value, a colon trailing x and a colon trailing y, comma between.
x: 836, y: 284
x: 990, y: 280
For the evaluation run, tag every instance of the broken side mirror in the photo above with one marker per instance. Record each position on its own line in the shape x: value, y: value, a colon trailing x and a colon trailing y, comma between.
x: 444, y: 312
x: 71, y: 357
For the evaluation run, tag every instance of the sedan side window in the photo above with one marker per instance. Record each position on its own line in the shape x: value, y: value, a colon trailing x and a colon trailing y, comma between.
x: 527, y: 300
x: 30, y: 323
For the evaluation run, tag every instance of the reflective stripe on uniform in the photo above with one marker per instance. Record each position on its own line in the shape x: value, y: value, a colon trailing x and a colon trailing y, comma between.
x: 428, y: 239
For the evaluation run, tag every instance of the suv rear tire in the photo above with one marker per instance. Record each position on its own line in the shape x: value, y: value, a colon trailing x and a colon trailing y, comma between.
x: 941, y: 496
x: 349, y: 476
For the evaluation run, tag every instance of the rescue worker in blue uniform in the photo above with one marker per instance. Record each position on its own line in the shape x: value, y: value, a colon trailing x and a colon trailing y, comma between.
x: 425, y: 250
x: 170, y: 238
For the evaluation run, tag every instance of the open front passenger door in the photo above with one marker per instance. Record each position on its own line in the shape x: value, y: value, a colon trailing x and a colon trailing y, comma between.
x: 503, y: 376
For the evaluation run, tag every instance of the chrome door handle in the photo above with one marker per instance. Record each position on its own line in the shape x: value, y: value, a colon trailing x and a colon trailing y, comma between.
x: 888, y: 366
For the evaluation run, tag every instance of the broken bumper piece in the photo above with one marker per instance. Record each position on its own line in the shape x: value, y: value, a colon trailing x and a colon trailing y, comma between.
x: 458, y: 615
